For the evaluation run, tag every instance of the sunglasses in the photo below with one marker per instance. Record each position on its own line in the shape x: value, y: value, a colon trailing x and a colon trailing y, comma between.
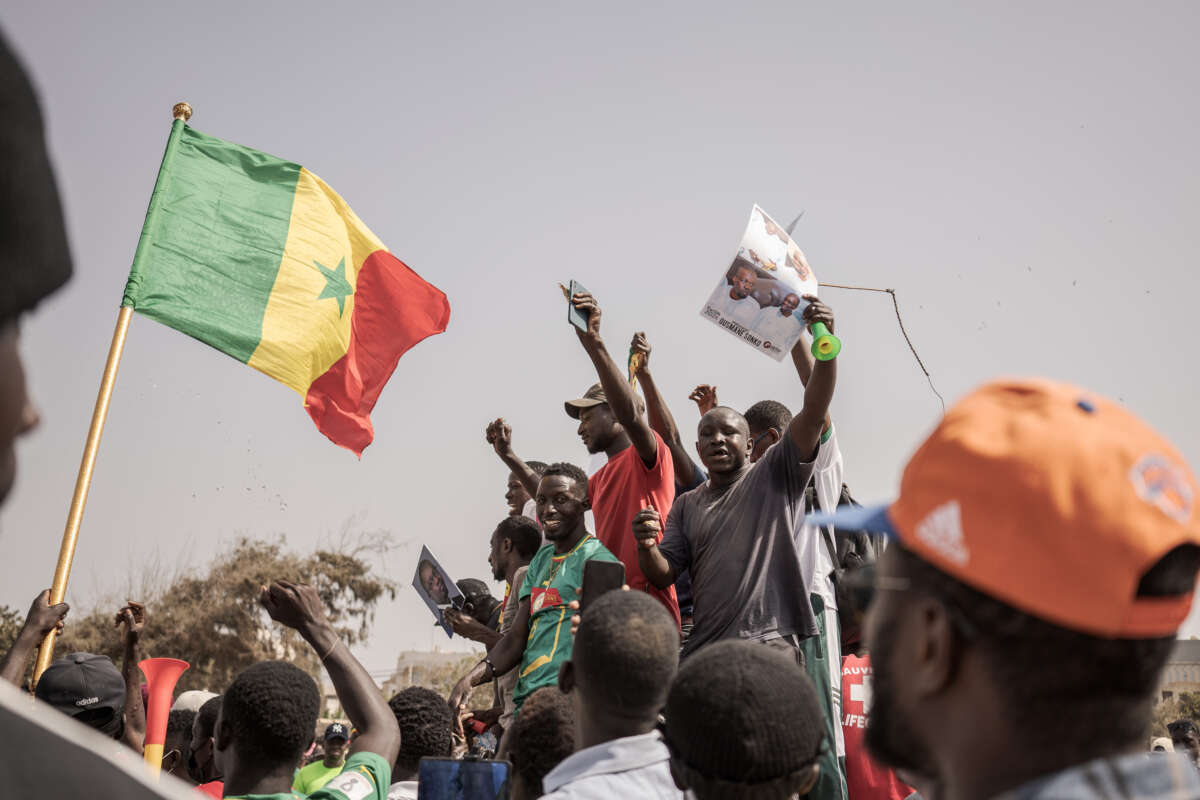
x: 863, y: 583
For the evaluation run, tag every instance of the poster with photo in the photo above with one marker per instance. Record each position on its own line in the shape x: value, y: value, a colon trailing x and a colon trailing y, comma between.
x: 436, y: 588
x: 759, y: 297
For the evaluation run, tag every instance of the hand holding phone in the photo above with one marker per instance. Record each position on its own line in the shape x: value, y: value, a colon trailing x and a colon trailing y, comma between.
x: 574, y: 316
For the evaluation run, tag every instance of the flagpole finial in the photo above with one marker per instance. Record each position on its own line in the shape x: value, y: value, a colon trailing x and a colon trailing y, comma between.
x: 182, y: 111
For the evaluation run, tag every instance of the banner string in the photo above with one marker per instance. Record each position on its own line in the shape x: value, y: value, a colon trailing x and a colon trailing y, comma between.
x: 899, y: 319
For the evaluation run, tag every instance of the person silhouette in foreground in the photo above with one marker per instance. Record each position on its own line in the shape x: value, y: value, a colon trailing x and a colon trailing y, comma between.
x: 1046, y: 544
x: 268, y: 713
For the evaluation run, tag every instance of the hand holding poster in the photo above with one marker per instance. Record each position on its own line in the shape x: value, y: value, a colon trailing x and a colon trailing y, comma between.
x: 436, y: 588
x: 759, y: 299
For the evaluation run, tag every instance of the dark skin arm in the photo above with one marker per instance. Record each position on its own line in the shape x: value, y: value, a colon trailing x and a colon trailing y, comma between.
x: 806, y: 427
x: 41, y: 619
x: 616, y: 388
x: 499, y: 436
x: 802, y: 357
x: 705, y: 398
x: 661, y: 420
x: 132, y: 621
x: 505, y: 655
x: 466, y: 626
x: 647, y: 525
x: 299, y: 607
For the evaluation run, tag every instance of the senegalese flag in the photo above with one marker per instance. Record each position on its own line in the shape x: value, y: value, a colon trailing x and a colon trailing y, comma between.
x: 259, y: 258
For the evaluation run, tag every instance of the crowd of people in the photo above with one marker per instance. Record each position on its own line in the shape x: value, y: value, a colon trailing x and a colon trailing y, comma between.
x: 996, y: 632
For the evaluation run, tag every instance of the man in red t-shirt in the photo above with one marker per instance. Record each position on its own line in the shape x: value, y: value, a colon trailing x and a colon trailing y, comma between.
x: 865, y: 779
x: 639, y: 473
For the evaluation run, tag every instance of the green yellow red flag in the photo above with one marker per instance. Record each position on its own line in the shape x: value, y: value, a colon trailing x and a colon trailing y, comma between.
x: 259, y: 258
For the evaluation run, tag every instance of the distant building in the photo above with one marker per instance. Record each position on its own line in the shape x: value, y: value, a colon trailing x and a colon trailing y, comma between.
x: 331, y: 707
x: 436, y: 670
x: 1182, y: 673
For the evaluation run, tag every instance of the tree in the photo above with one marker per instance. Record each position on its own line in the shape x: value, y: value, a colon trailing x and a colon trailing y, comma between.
x: 1185, y: 706
x: 11, y: 621
x: 213, y: 619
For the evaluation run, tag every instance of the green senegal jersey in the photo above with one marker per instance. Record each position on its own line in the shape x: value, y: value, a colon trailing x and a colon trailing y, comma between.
x: 550, y: 584
x: 366, y: 776
x: 312, y: 777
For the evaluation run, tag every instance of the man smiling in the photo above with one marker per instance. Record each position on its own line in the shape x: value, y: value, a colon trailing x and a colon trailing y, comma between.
x: 780, y: 324
x: 540, y: 638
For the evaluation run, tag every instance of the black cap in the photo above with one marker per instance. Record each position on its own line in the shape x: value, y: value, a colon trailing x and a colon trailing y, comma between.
x: 87, y: 687
x: 34, y: 260
x: 336, y: 730
x: 473, y: 589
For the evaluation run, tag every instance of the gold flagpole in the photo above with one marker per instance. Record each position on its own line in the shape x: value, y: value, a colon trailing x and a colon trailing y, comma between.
x: 66, y: 553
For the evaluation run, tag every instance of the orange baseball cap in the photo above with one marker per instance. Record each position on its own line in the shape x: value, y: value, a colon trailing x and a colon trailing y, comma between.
x: 1050, y: 499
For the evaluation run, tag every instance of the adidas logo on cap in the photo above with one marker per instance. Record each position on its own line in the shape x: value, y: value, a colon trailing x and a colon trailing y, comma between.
x: 942, y: 531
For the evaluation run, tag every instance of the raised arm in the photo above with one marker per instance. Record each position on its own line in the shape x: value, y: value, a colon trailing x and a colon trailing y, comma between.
x: 647, y: 525
x: 802, y: 357
x: 660, y: 417
x: 618, y: 391
x: 499, y: 436
x: 705, y: 398
x: 298, y: 606
x: 41, y: 619
x: 505, y: 655
x: 132, y: 621
x: 805, y: 428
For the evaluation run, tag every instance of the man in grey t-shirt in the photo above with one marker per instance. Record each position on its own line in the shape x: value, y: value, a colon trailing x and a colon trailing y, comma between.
x: 735, y: 532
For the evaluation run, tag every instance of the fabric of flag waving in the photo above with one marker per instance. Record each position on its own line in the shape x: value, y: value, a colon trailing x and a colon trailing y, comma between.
x: 260, y: 259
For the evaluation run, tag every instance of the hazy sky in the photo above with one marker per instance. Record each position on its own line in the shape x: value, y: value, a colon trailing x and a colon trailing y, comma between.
x: 1024, y: 175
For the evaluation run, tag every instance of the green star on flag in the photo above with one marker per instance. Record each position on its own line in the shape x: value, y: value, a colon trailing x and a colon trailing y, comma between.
x: 233, y: 253
x: 336, y: 285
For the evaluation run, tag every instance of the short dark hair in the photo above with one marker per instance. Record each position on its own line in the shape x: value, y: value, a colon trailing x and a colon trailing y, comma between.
x: 537, y: 467
x: 568, y: 471
x: 743, y: 721
x: 767, y: 414
x: 1102, y: 686
x: 542, y: 736
x: 208, y: 715
x: 1181, y: 728
x: 740, y: 262
x: 271, y: 708
x: 627, y: 650
x: 425, y: 726
x: 524, y: 533
x: 179, y: 731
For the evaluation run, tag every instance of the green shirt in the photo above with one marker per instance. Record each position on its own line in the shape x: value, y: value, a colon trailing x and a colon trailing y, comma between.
x: 550, y: 584
x: 314, y: 776
x: 366, y: 776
